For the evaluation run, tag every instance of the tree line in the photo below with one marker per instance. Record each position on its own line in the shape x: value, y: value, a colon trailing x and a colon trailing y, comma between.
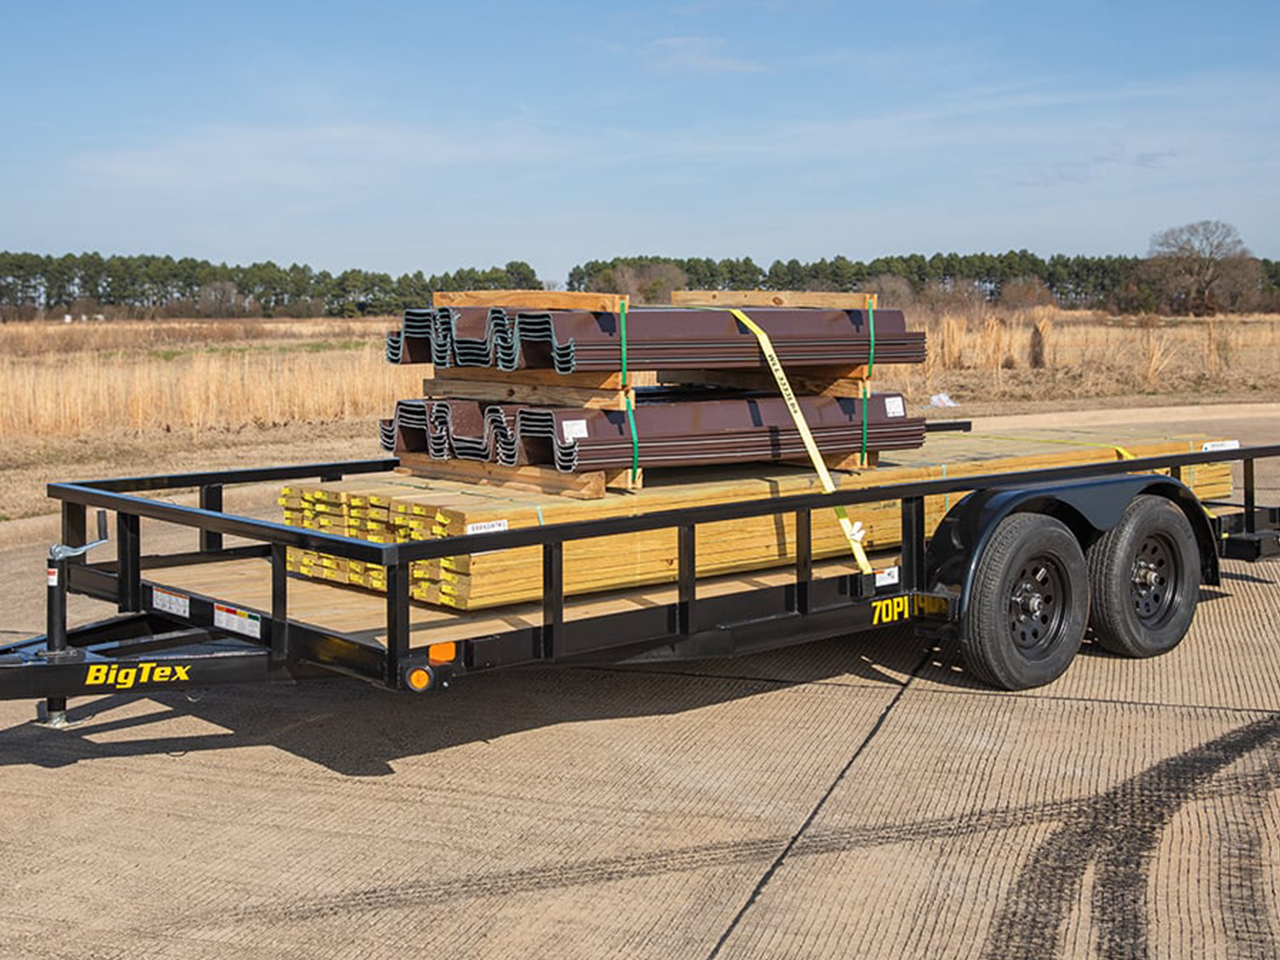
x: 1194, y: 269
x: 1199, y: 268
x: 159, y: 286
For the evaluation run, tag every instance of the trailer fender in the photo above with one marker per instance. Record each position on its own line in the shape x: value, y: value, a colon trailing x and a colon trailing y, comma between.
x: 1088, y: 507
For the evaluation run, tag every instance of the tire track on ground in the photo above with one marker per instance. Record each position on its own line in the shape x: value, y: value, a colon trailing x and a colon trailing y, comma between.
x: 1117, y: 831
x: 700, y: 857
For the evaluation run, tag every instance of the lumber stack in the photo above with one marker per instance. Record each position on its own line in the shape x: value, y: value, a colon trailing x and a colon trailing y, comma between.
x: 398, y: 507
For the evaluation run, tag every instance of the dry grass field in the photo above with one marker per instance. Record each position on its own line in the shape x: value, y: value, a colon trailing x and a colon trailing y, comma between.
x: 1046, y: 354
x: 100, y: 399
x: 85, y: 399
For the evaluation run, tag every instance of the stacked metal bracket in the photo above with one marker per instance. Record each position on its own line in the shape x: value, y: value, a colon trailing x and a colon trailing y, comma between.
x: 671, y: 433
x: 571, y: 341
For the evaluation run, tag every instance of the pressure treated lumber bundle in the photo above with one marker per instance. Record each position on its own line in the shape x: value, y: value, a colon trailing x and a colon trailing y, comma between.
x: 401, y: 508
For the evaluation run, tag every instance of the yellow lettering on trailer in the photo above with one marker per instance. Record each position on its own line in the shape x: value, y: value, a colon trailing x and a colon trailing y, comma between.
x: 930, y: 606
x: 904, y: 607
x: 123, y: 678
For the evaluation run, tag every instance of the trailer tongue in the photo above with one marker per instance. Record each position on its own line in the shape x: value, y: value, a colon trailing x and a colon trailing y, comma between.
x: 1010, y: 573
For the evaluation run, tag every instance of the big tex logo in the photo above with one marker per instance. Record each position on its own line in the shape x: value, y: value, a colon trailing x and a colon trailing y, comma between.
x: 122, y: 678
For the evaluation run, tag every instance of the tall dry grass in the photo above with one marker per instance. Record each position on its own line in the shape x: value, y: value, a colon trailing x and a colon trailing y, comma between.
x: 1044, y: 351
x: 44, y: 338
x: 77, y: 380
x: 84, y: 393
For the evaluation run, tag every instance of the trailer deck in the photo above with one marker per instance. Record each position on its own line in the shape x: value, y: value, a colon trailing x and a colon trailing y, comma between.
x: 360, y: 615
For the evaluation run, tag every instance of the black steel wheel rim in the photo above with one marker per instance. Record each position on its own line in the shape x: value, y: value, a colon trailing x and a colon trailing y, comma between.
x: 1155, y: 580
x: 1037, y: 605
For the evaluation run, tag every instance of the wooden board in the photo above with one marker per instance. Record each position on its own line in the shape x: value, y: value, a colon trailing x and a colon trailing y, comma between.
x: 534, y: 299
x: 773, y: 298
x: 578, y: 486
x: 586, y: 380
x: 804, y: 381
x: 510, y: 389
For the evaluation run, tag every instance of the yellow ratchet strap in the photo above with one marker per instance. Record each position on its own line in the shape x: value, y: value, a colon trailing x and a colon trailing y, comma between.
x: 797, y: 416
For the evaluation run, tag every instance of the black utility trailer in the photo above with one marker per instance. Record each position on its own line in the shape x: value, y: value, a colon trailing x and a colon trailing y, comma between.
x: 1016, y: 572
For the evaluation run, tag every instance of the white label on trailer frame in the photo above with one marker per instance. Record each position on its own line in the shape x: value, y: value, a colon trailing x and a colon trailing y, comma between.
x: 894, y: 407
x: 887, y: 578
x: 1212, y: 445
x: 52, y: 573
x: 237, y: 621
x: 574, y: 429
x: 179, y: 604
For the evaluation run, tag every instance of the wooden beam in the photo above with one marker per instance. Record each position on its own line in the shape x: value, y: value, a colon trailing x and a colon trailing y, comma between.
x: 533, y: 299
x: 579, y: 486
x: 537, y: 377
x: 849, y: 461
x: 805, y: 381
x: 773, y: 298
x: 537, y: 394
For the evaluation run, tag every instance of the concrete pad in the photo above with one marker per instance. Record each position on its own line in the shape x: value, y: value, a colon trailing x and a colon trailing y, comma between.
x: 856, y: 797
x: 1002, y: 827
x: 335, y: 814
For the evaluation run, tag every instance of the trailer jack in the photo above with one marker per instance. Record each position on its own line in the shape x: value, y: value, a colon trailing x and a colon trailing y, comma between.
x: 53, y: 712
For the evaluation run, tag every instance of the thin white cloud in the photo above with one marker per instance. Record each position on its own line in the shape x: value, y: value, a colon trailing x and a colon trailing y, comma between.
x: 306, y: 159
x: 695, y: 55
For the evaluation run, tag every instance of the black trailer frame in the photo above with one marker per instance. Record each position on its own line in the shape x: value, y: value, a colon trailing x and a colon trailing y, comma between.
x: 162, y: 640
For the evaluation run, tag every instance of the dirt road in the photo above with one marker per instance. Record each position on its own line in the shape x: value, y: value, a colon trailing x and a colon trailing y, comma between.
x: 854, y: 798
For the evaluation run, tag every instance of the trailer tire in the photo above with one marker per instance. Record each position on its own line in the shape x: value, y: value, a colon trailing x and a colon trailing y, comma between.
x: 1028, y: 605
x: 1144, y: 576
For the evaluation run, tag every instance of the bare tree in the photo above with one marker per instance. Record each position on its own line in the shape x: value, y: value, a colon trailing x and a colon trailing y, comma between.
x: 893, y: 291
x: 1024, y: 292
x: 1200, y: 267
x: 647, y: 283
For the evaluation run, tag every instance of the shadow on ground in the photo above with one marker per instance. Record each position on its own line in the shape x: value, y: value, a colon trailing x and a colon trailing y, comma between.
x: 357, y: 729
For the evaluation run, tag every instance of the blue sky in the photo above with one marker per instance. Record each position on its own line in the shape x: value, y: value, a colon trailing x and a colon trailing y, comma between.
x: 398, y: 136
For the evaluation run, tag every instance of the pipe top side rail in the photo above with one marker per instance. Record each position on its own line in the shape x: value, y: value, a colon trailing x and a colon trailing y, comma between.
x: 102, y: 494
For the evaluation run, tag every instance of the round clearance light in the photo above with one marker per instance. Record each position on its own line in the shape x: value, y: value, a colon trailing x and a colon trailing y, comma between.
x: 418, y: 679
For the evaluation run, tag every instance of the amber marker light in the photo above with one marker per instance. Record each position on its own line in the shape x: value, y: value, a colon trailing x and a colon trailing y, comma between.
x: 418, y: 679
x: 442, y: 652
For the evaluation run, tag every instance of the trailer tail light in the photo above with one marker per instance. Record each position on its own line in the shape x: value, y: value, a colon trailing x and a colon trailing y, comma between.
x: 418, y: 679
x: 442, y: 652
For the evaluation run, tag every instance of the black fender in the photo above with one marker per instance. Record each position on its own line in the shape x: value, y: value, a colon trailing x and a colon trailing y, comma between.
x: 1089, y: 508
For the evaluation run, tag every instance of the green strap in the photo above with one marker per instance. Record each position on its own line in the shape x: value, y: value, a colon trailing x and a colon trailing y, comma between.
x: 871, y: 326
x: 631, y: 414
x: 871, y: 365
x: 866, y: 395
x: 623, y: 326
x: 635, y: 441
